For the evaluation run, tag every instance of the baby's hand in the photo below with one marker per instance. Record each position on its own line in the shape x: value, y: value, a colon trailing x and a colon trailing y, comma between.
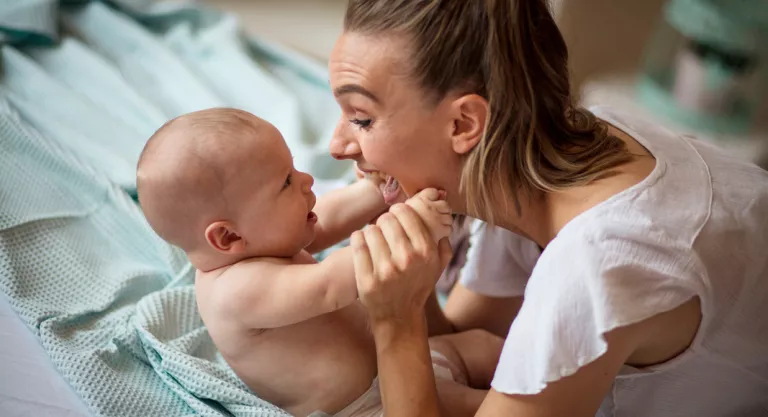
x: 434, y: 211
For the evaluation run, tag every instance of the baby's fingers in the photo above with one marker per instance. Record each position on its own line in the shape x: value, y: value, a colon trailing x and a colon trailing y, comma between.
x: 441, y: 206
x: 429, y: 194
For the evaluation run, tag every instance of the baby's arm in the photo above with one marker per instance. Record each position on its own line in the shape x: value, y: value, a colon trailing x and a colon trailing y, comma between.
x: 270, y: 293
x: 342, y: 211
x: 273, y: 293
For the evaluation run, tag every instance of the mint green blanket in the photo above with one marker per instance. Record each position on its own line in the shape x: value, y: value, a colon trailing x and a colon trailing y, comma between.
x: 111, y: 303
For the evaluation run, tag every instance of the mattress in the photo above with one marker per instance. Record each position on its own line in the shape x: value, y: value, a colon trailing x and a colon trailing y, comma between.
x: 29, y: 383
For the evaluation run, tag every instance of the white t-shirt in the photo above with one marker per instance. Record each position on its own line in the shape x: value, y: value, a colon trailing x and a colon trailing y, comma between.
x: 696, y: 226
x: 498, y: 262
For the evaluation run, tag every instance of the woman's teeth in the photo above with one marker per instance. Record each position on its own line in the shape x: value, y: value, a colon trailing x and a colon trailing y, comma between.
x: 376, y: 175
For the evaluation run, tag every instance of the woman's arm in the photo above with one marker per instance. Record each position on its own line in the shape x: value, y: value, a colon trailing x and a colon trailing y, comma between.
x: 406, y: 376
x: 577, y: 395
x: 489, y: 292
x: 397, y: 263
x: 466, y: 310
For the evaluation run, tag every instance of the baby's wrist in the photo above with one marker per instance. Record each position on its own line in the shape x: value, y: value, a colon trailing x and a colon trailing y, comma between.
x: 371, y: 190
x: 369, y: 185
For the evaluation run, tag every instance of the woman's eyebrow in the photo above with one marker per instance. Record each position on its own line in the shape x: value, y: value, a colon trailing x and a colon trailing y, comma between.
x: 354, y: 88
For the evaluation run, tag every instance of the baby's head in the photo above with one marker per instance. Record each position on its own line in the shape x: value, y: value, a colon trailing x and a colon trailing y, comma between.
x: 220, y: 184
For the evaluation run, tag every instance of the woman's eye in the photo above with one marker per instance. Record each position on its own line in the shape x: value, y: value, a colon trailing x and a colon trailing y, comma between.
x: 287, y: 182
x: 362, y: 123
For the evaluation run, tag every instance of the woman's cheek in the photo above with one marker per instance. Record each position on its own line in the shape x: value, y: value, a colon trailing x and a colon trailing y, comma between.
x: 375, y: 151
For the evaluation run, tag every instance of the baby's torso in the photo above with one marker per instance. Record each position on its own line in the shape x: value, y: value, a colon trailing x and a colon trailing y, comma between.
x: 323, y: 363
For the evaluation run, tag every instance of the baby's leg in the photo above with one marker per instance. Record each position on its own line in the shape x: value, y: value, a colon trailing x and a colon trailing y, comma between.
x: 457, y: 400
x: 475, y: 352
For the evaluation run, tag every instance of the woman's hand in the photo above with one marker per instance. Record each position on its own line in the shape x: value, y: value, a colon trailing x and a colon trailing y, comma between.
x: 397, y: 263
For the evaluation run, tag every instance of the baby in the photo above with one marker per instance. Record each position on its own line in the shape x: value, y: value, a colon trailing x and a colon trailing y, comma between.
x: 221, y: 185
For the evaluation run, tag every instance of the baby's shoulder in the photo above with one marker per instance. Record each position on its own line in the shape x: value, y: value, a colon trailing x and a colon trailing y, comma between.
x: 252, y: 267
x: 303, y: 257
x: 257, y: 266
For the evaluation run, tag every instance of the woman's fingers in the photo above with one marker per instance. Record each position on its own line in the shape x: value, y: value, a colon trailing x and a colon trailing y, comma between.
x: 414, y: 227
x: 399, y: 244
x: 362, y: 262
x: 381, y: 256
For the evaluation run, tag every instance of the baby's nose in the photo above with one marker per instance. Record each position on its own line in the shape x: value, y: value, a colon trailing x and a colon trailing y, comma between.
x: 309, y: 181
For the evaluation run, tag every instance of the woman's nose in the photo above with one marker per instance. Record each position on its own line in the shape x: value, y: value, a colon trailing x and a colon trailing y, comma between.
x: 343, y: 144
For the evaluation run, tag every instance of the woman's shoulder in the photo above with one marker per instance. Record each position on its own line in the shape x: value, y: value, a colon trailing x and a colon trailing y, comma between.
x: 618, y: 263
x: 695, y: 202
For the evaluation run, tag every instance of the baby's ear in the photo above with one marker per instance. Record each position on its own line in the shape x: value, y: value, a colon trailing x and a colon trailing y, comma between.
x: 223, y: 238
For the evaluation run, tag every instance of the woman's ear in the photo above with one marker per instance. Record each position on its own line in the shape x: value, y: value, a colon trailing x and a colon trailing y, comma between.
x: 469, y: 115
x: 223, y: 238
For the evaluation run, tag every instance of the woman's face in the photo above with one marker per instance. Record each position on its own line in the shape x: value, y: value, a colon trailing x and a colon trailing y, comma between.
x: 389, y: 127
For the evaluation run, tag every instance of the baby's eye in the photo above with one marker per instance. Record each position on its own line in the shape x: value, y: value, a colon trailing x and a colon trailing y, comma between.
x: 287, y: 182
x: 362, y: 123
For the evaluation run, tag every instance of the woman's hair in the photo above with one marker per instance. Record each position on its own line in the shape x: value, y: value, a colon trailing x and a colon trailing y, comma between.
x: 511, y: 53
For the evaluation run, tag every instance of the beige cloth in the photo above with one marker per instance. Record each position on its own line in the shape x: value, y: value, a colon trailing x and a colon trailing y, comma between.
x: 369, y: 404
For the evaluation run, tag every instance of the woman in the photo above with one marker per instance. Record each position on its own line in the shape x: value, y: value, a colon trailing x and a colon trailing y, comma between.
x: 648, y: 296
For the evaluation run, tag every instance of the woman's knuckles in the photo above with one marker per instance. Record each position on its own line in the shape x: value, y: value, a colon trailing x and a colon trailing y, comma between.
x: 385, y: 219
x: 397, y: 207
x: 405, y: 260
x: 387, y: 270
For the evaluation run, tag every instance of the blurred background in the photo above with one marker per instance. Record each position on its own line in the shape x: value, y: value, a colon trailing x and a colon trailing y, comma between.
x: 604, y: 36
x: 84, y: 84
x: 611, y: 43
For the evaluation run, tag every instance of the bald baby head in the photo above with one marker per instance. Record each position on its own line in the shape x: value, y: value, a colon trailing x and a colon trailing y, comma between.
x: 189, y: 171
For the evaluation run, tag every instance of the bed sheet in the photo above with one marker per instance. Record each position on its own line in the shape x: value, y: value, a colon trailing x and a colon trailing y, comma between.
x: 29, y: 383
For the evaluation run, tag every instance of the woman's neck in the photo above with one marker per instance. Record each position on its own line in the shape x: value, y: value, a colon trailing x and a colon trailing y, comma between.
x: 531, y: 218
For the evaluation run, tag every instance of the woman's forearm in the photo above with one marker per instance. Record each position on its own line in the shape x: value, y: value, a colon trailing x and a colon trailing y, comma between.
x: 406, y: 378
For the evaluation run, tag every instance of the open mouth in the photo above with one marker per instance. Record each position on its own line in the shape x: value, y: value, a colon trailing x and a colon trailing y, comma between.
x: 312, y: 217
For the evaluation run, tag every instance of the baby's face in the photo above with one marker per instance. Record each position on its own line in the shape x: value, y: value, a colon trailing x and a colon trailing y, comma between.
x: 275, y: 212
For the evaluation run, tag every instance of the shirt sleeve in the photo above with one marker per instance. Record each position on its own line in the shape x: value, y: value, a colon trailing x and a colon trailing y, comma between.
x: 499, y: 262
x: 579, y: 291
